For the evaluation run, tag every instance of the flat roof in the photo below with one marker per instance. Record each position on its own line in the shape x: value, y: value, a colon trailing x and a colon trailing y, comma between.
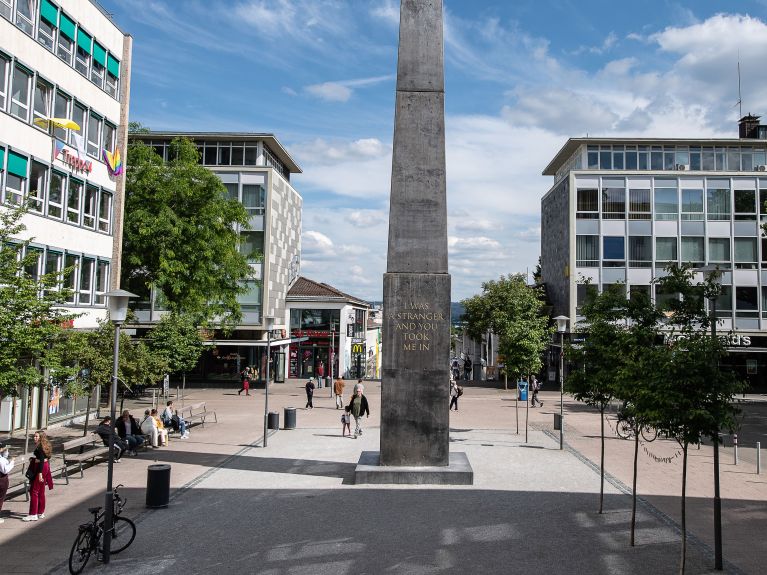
x: 573, y: 143
x: 269, y: 139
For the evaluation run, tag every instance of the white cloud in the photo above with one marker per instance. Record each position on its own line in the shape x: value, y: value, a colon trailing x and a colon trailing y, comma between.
x: 316, y: 245
x: 320, y: 151
x: 367, y: 218
x: 387, y: 10
x: 330, y: 91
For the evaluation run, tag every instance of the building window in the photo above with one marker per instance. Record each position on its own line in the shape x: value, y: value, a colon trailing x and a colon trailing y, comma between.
x: 637, y: 291
x: 640, y: 251
x: 66, y: 41
x: 664, y: 295
x: 644, y: 155
x: 113, y: 76
x: 733, y: 159
x: 640, y: 207
x: 80, y: 117
x: 252, y: 246
x: 5, y: 66
x: 238, y: 154
x: 94, y: 134
x: 746, y: 301
x: 102, y: 282
x: 631, y: 158
x: 254, y: 199
x: 745, y: 253
x: 62, y: 108
x: 52, y: 262
x: 613, y: 251
x: 718, y: 201
x: 211, y: 154
x: 666, y: 204
x: 719, y: 250
x: 105, y: 212
x: 99, y: 64
x: 583, y: 293
x: 656, y: 158
x: 587, y: 251
x: 16, y: 179
x: 83, y: 53
x: 745, y: 205
x: 665, y: 251
x: 56, y: 194
x: 614, y: 203
x: 232, y: 191
x: 42, y: 105
x: 86, y: 278
x: 46, y: 24
x: 32, y: 267
x: 251, y: 155
x: 25, y: 11
x: 37, y: 181
x: 692, y: 251
x: 20, y: 93
x: 5, y: 8
x: 90, y: 204
x: 692, y: 205
x: 724, y: 302
x: 72, y: 266
x: 587, y: 204
x: 109, y: 137
x: 73, y: 201
x: 224, y: 153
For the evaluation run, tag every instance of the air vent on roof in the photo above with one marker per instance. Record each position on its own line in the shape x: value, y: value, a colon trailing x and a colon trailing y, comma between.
x: 761, y: 168
x: 683, y: 167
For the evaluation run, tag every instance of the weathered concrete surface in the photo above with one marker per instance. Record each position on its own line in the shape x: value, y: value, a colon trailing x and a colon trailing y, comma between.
x: 420, y: 64
x: 457, y: 472
x: 416, y: 344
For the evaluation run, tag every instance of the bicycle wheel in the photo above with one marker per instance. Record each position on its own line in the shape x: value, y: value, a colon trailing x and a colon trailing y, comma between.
x: 649, y: 433
x: 123, y: 534
x: 81, y: 552
x: 624, y: 429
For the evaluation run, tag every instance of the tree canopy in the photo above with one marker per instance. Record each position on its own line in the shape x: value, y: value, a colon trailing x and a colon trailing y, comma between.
x: 180, y: 234
x: 513, y: 311
x: 177, y: 340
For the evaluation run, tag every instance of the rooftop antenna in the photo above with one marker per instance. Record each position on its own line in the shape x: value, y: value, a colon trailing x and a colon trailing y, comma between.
x: 740, y: 99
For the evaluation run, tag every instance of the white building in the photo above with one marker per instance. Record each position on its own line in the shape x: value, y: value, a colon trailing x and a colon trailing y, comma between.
x: 65, y: 59
x: 621, y: 209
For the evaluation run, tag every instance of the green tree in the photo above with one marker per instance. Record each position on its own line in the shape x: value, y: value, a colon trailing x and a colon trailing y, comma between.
x: 31, y: 316
x: 511, y: 309
x: 595, y: 380
x: 177, y: 340
x: 180, y: 235
x: 693, y: 391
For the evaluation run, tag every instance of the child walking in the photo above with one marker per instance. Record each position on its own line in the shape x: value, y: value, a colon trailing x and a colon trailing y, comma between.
x: 346, y: 423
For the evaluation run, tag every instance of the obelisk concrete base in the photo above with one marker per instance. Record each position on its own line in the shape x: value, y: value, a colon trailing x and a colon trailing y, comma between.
x: 369, y: 470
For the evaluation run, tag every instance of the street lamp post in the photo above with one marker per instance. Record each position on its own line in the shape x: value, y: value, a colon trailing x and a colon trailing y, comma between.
x: 269, y: 324
x: 117, y: 301
x: 707, y: 270
x: 561, y: 328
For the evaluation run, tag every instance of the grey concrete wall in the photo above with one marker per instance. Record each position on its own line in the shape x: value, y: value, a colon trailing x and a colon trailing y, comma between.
x: 555, y: 246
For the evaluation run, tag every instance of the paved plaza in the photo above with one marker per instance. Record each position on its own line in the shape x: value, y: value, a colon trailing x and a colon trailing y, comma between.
x: 292, y: 507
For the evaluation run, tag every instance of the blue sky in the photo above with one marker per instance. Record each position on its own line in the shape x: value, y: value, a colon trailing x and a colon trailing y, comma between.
x: 520, y: 78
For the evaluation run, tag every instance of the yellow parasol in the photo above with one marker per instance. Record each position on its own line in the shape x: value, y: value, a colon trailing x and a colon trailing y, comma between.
x: 58, y: 122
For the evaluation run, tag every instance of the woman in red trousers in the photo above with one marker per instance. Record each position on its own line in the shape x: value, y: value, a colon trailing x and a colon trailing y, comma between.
x: 41, y: 478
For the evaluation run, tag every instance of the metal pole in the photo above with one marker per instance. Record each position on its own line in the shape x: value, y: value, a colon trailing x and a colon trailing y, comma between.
x: 331, y: 356
x: 266, y: 385
x: 758, y: 457
x: 717, y: 497
x: 561, y: 390
x: 735, y: 448
x: 109, y: 498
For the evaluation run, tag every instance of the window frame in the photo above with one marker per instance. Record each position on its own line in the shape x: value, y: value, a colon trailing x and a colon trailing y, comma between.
x: 105, y: 224
x: 40, y: 82
x: 26, y: 106
x: 7, y: 66
x: 76, y: 210
x: 28, y: 24
x: 63, y: 194
x: 42, y: 187
x: 61, y: 133
x: 92, y: 148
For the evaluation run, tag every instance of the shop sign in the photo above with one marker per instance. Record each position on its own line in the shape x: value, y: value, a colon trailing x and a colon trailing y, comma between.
x: 358, y: 348
x: 72, y: 158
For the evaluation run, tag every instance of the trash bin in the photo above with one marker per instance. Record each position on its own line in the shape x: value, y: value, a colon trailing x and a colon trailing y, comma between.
x: 290, y: 417
x: 557, y: 421
x: 522, y: 387
x: 273, y: 422
x: 158, y: 485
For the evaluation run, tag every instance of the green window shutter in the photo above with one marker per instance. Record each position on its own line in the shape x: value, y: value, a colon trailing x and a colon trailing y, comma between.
x: 17, y: 164
x: 84, y: 41
x: 99, y: 54
x: 2, y: 158
x: 49, y: 12
x: 67, y: 26
x: 113, y: 65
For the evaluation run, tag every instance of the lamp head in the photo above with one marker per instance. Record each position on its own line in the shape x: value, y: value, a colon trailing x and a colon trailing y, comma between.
x: 268, y: 322
x: 562, y: 321
x: 117, y: 302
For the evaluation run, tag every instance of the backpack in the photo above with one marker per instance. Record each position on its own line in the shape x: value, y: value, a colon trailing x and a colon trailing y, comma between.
x: 460, y: 391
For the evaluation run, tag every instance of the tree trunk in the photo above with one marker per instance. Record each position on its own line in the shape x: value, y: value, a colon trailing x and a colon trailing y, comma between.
x: 87, y: 412
x: 183, y: 384
x: 516, y: 406
x: 13, y: 415
x: 527, y: 407
x: 684, y: 510
x: 634, y: 486
x: 602, y: 460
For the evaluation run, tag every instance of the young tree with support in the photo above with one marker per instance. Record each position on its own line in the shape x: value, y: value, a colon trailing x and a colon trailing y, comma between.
x: 177, y: 339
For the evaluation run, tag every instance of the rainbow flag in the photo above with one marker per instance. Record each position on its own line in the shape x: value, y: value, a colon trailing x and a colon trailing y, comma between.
x: 113, y: 161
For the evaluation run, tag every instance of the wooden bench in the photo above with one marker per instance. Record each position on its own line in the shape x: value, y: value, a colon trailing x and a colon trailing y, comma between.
x: 83, y: 449
x: 196, y: 413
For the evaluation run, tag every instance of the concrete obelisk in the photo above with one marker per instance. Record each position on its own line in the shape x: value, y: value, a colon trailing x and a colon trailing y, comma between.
x: 416, y: 290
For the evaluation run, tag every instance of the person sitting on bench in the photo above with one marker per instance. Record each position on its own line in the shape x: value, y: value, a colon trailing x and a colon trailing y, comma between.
x: 171, y: 419
x: 105, y: 429
x: 149, y: 427
x: 129, y: 430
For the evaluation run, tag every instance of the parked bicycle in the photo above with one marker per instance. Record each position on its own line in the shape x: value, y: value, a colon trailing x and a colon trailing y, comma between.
x: 626, y: 425
x: 90, y: 535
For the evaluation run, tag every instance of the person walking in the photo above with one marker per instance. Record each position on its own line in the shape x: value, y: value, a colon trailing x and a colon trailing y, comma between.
x: 6, y: 465
x: 346, y: 423
x: 41, y: 477
x: 309, y: 393
x: 535, y: 385
x: 358, y: 406
x: 467, y: 368
x: 338, y: 391
x: 245, y: 381
x: 455, y: 393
